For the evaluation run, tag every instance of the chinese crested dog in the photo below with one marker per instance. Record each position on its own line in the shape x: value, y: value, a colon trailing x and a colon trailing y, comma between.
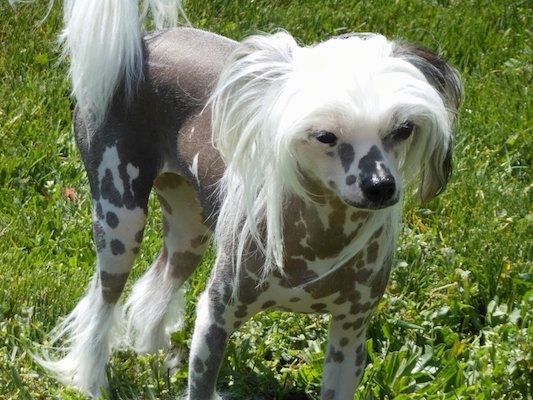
x: 295, y: 158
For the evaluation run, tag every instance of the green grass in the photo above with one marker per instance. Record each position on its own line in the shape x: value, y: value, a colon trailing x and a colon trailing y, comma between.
x: 457, y: 319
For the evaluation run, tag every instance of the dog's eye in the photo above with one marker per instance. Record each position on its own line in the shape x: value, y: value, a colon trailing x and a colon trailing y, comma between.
x: 326, y: 137
x: 403, y: 131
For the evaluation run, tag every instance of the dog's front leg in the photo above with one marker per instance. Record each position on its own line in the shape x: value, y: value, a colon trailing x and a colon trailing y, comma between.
x: 227, y: 303
x: 208, y: 346
x: 345, y: 358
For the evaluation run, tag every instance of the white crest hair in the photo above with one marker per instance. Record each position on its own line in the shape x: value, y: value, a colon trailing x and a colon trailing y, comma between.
x: 102, y: 40
x: 258, y: 108
x: 258, y: 165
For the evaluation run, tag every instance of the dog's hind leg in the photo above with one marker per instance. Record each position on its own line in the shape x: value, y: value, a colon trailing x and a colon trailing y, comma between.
x: 155, y: 307
x: 120, y: 186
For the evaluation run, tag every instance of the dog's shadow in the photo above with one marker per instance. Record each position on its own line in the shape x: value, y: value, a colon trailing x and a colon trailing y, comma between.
x: 267, y: 391
x: 163, y: 381
x: 245, y: 384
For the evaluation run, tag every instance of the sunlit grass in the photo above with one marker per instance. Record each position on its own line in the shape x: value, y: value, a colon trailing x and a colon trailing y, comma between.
x: 456, y: 321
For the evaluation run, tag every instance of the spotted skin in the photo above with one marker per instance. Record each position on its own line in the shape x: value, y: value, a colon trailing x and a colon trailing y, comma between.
x: 347, y: 155
x: 348, y: 294
x: 337, y: 256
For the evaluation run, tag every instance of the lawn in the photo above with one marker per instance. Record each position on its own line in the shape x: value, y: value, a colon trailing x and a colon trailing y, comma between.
x: 457, y: 318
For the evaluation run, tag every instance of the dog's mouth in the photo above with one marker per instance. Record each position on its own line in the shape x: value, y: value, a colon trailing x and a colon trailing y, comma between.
x: 379, y: 204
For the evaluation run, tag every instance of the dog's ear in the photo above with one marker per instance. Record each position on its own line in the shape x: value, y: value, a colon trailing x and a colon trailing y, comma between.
x: 436, y: 172
x: 446, y: 81
x: 437, y: 71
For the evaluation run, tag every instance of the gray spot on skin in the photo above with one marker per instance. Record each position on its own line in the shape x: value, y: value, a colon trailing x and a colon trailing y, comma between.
x: 369, y: 160
x: 219, y: 309
x: 363, y: 308
x: 112, y: 285
x: 372, y: 252
x: 351, y: 180
x: 249, y: 289
x: 112, y: 219
x: 98, y: 211
x: 117, y: 247
x: 128, y: 197
x: 241, y: 311
x: 319, y: 307
x: 334, y: 355
x: 139, y: 236
x: 268, y: 304
x: 199, y: 241
x: 198, y: 365
x: 344, y: 341
x: 358, y: 323
x: 99, y: 236
x: 347, y: 155
x: 109, y: 191
x: 360, y: 355
x: 360, y: 349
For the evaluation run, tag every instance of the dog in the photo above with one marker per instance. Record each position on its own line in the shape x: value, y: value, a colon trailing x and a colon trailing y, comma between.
x: 295, y: 158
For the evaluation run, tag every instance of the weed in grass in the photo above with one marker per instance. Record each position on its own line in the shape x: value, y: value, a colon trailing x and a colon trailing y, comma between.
x: 456, y: 321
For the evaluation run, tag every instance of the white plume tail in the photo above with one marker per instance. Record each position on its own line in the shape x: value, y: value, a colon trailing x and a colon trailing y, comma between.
x: 102, y: 40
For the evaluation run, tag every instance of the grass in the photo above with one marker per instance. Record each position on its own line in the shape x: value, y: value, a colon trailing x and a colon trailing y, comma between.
x: 456, y: 321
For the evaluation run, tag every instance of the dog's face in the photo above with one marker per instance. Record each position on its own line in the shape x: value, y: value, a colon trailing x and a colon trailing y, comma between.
x: 361, y: 115
x: 356, y: 159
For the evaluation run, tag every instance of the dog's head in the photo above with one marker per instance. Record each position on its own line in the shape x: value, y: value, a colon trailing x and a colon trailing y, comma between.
x: 358, y: 117
x: 361, y: 115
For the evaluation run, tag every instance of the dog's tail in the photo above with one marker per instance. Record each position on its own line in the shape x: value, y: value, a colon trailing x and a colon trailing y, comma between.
x: 102, y: 40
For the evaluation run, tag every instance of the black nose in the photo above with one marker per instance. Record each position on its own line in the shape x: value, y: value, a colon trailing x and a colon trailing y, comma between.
x: 379, y: 189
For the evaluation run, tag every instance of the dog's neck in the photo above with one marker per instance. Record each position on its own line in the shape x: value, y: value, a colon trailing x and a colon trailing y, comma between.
x: 322, y: 227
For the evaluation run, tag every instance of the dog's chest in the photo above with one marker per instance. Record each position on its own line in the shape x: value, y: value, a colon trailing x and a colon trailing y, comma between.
x: 337, y: 260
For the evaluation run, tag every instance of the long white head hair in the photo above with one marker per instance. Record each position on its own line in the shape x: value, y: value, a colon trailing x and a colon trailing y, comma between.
x: 269, y: 93
x: 259, y: 169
